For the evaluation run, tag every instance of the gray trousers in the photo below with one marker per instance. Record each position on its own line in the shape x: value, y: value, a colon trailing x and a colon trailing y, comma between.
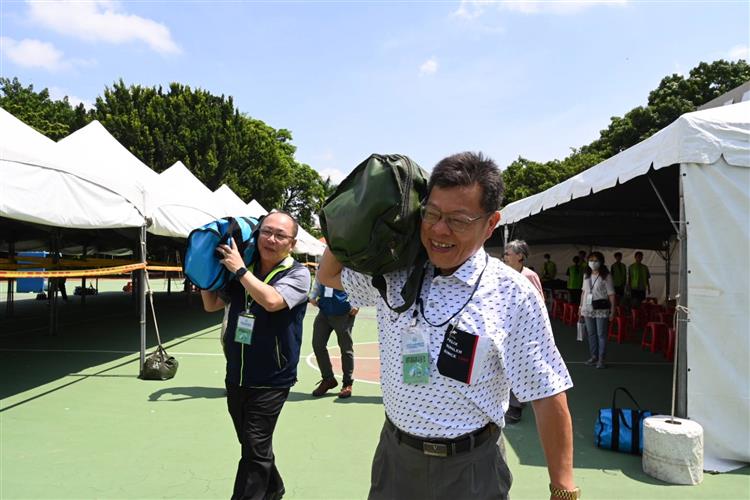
x: 402, y: 472
x: 322, y: 328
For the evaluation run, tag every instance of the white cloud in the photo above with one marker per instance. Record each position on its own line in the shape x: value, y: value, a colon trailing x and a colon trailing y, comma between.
x: 429, y: 67
x: 472, y: 9
x: 30, y: 53
x: 57, y: 94
x: 739, y: 52
x: 102, y: 21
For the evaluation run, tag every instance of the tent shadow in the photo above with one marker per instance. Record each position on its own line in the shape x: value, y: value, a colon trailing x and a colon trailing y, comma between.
x: 104, y: 330
x: 188, y: 393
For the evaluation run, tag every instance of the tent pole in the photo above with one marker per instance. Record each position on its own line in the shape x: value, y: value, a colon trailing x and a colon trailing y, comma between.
x: 11, y: 282
x: 668, y: 276
x: 83, y: 280
x: 142, y: 297
x: 664, y: 205
x: 681, y: 357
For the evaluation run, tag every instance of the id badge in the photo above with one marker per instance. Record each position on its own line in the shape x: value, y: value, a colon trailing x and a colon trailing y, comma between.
x: 589, y: 299
x: 244, y: 332
x: 327, y: 292
x: 415, y: 357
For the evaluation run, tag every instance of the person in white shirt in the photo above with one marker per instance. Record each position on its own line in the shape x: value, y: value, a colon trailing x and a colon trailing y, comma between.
x: 477, y: 330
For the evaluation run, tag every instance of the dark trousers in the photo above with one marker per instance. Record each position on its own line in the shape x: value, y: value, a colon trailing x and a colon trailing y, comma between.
x: 402, y: 472
x: 254, y: 413
x: 322, y: 328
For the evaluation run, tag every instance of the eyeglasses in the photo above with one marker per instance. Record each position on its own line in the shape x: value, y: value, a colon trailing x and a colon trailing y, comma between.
x: 456, y: 223
x: 280, y: 237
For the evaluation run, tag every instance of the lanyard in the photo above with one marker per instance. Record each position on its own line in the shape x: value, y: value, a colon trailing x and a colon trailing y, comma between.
x: 282, y: 266
x: 420, y: 303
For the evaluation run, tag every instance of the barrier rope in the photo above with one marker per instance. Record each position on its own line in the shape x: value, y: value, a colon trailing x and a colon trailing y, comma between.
x: 85, y: 273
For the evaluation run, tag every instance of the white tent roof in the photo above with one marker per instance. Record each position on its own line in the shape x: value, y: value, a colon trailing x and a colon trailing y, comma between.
x: 41, y: 184
x: 306, y: 242
x: 231, y: 204
x: 699, y: 137
x: 172, y: 211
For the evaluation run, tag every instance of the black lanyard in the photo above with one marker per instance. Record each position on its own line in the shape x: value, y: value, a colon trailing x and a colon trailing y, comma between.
x: 420, y: 303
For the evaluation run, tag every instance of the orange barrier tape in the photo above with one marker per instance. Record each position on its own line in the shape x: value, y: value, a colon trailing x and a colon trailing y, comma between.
x: 83, y: 273
x: 164, y: 268
x: 47, y: 263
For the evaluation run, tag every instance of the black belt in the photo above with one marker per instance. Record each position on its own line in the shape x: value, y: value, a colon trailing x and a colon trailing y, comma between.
x: 444, y: 447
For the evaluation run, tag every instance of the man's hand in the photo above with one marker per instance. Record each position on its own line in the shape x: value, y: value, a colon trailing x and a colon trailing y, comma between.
x: 232, y: 259
x: 313, y: 302
x: 353, y: 311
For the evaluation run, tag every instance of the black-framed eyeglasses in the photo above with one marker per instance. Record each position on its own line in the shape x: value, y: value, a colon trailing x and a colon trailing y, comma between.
x: 457, y: 223
x: 280, y: 237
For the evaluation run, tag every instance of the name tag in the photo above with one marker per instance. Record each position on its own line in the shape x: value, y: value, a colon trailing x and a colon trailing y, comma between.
x: 590, y: 298
x: 244, y: 332
x: 327, y: 292
x: 461, y: 355
x: 415, y: 357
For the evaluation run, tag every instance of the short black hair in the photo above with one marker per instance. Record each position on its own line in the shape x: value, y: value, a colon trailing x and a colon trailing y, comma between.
x: 296, y: 224
x: 547, y: 256
x: 618, y: 254
x: 466, y: 169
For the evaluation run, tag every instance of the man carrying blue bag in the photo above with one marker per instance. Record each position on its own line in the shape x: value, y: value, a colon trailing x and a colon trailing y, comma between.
x: 267, y: 304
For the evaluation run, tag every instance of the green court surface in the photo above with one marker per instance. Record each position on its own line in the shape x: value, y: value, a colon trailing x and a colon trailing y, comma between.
x: 75, y: 422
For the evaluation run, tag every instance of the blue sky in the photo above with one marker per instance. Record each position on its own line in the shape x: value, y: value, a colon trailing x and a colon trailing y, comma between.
x: 426, y: 79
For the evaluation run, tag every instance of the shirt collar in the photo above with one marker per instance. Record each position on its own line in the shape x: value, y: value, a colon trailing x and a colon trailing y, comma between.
x: 470, y: 270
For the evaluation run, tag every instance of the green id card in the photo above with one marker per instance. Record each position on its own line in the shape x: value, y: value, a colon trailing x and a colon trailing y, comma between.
x: 415, y: 357
x: 244, y: 332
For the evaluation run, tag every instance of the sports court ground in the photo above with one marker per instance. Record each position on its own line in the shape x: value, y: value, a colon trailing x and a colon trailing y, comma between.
x: 76, y: 423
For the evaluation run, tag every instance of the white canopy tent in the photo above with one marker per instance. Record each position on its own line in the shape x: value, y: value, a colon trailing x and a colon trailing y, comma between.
x: 306, y: 242
x: 696, y: 172
x: 230, y: 204
x: 43, y: 185
x: 171, y: 211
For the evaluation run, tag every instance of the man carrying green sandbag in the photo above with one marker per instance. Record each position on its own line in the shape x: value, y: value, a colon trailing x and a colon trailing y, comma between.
x: 476, y: 330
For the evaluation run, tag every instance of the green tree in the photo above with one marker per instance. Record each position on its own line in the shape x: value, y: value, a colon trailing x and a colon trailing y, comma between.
x: 55, y: 119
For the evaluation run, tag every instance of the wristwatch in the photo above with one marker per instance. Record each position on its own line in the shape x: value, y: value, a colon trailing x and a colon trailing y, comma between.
x: 574, y: 494
x: 240, y: 273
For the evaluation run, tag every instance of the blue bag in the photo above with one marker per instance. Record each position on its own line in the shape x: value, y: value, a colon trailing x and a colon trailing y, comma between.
x: 202, y: 262
x: 620, y: 429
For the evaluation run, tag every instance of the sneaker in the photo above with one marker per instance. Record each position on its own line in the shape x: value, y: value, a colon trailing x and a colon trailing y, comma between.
x: 513, y: 415
x: 346, y: 391
x: 324, y: 386
x: 600, y: 365
x: 591, y: 361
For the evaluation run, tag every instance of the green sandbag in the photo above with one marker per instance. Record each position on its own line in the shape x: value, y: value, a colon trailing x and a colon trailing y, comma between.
x: 371, y: 222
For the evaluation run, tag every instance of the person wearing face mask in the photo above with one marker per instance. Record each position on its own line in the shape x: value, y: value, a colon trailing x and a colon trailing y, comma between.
x: 597, y: 307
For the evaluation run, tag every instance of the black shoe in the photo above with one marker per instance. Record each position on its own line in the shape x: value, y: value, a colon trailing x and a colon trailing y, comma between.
x: 513, y: 415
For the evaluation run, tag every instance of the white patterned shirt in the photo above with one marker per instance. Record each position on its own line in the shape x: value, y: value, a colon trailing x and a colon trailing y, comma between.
x: 506, y: 308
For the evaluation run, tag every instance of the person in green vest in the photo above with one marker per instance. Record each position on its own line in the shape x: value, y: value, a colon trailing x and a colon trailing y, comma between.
x: 549, y: 269
x: 582, y: 261
x: 575, y: 280
x: 619, y: 276
x: 639, y: 280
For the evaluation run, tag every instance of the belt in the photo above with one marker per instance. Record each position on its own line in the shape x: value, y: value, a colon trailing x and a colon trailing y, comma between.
x: 444, y: 447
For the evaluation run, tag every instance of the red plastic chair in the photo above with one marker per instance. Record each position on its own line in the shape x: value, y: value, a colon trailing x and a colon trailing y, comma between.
x: 618, y: 329
x: 654, y: 336
x: 570, y: 314
x: 637, y: 319
x: 557, y: 308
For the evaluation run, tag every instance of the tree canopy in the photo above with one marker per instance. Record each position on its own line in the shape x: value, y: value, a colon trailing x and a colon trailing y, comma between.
x: 674, y: 96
